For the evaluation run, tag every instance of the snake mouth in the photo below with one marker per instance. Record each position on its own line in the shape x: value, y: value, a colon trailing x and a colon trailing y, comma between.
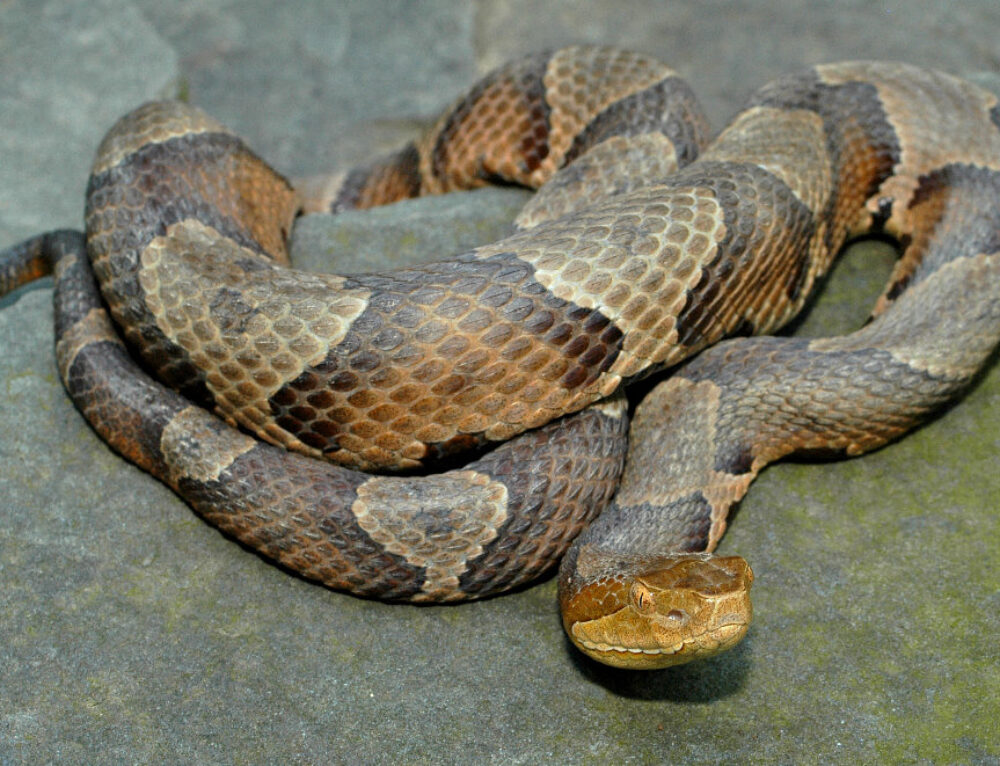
x: 701, y: 645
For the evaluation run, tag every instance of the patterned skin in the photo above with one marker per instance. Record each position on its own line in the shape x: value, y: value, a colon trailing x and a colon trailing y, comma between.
x: 401, y: 368
x: 630, y: 259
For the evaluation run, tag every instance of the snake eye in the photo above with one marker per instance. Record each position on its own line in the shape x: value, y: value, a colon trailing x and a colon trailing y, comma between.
x: 641, y: 598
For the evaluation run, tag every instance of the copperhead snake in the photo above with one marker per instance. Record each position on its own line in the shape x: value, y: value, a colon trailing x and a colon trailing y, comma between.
x: 645, y: 245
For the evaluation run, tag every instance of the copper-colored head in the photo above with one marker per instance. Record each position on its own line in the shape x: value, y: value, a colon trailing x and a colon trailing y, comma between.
x: 662, y: 611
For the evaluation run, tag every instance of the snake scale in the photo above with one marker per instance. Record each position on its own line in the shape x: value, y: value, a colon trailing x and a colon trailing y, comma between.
x: 645, y: 245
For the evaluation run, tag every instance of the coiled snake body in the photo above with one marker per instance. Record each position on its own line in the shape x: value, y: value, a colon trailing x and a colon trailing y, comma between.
x: 640, y: 250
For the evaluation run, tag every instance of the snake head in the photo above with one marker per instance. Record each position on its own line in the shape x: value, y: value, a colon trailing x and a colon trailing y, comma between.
x: 651, y: 612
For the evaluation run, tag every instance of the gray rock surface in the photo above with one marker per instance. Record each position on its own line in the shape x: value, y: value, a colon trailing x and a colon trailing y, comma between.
x: 132, y: 631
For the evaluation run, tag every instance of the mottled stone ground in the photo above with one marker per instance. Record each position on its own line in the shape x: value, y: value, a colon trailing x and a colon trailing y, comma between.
x: 132, y: 631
